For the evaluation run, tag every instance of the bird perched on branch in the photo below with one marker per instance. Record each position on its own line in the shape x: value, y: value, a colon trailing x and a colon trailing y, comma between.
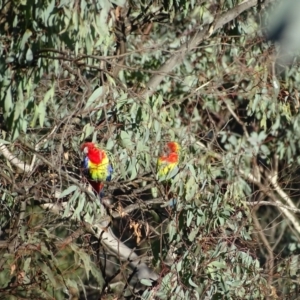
x: 167, y: 164
x: 97, y: 166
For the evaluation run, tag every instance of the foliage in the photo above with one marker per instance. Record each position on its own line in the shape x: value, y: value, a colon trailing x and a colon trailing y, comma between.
x: 80, y: 70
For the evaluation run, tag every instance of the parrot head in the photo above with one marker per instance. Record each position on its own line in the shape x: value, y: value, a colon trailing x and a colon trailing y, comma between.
x: 171, y: 153
x: 94, y: 154
x: 173, y: 147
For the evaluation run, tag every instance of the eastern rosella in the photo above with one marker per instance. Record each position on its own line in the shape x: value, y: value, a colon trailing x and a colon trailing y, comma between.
x: 97, y: 166
x: 167, y: 165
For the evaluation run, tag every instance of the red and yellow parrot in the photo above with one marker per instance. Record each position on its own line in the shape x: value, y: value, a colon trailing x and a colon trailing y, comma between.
x: 97, y: 166
x: 167, y: 164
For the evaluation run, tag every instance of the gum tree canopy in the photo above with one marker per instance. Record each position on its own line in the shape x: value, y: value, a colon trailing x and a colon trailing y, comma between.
x: 132, y: 76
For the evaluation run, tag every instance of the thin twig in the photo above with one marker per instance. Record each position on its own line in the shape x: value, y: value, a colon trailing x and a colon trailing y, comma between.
x: 268, y: 203
x: 236, y: 118
x: 267, y: 246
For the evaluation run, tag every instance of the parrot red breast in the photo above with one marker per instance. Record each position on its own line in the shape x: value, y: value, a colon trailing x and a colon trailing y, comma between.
x: 167, y: 164
x: 97, y: 166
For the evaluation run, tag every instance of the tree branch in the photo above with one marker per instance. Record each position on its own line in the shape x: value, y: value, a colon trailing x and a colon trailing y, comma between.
x: 273, y: 178
x: 268, y: 203
x: 270, y: 264
x: 26, y: 168
x: 14, y: 160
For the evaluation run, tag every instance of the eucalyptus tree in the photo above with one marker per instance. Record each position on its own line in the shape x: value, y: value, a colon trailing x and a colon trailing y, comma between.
x: 132, y: 75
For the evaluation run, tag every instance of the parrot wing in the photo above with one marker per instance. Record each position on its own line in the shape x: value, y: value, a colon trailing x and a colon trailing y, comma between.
x: 166, y: 170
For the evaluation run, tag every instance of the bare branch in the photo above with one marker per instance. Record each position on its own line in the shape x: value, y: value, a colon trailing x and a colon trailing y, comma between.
x: 268, y: 247
x: 236, y: 118
x: 273, y: 178
x: 268, y: 203
x: 14, y: 160
x: 26, y: 168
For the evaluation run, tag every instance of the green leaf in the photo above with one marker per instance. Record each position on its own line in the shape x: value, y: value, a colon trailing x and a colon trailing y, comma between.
x: 193, y: 234
x: 87, y: 131
x: 190, y: 217
x: 4, y: 142
x: 26, y: 265
x: 68, y: 191
x: 29, y: 55
x: 119, y: 2
x: 218, y: 264
x: 97, y: 274
x: 85, y: 258
x: 26, y: 36
x: 192, y: 283
x: 75, y: 19
x: 126, y: 140
x: 80, y: 205
x: 48, y: 272
x: 8, y: 104
x: 179, y: 266
x: 97, y: 94
x: 41, y: 113
x: 146, y: 282
x: 172, y: 230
